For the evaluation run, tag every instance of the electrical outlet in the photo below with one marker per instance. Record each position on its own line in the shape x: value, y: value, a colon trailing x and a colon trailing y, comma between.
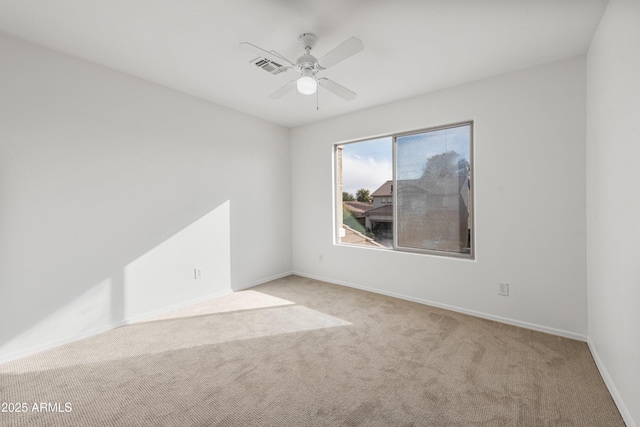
x: 320, y: 258
x: 197, y: 273
x: 503, y: 289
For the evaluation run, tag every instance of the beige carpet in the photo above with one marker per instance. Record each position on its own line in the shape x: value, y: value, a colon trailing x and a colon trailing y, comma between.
x: 299, y: 352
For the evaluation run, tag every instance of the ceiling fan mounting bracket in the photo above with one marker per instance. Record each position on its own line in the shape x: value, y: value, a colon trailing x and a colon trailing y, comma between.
x: 307, y: 40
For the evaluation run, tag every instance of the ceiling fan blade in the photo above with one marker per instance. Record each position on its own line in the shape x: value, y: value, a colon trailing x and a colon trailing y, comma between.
x: 339, y: 90
x: 284, y: 89
x: 340, y: 53
x: 272, y: 56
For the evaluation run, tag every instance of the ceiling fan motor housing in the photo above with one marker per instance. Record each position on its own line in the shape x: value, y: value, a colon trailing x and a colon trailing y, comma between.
x: 306, y: 61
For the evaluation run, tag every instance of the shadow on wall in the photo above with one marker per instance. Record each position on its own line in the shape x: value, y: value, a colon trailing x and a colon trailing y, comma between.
x: 159, y: 279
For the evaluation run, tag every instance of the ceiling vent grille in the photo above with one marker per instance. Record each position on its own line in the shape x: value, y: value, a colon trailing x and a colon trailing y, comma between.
x: 268, y: 65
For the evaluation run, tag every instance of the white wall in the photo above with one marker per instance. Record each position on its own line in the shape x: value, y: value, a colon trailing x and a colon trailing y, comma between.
x: 613, y: 204
x: 530, y: 200
x: 113, y: 189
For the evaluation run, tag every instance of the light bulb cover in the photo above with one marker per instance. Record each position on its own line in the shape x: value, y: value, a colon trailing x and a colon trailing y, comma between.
x: 307, y: 85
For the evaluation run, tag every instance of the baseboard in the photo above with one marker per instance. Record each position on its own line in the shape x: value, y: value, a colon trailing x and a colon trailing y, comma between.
x: 261, y: 281
x: 86, y: 334
x: 624, y: 412
x: 57, y: 343
x: 526, y: 325
x: 183, y: 304
x: 95, y: 331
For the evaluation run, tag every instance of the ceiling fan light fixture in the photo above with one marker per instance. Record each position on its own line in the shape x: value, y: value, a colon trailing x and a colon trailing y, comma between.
x: 307, y: 85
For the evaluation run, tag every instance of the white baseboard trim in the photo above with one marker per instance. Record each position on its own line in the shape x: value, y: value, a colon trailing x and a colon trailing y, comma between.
x: 508, y: 321
x: 624, y: 412
x: 261, y: 281
x: 183, y: 304
x: 56, y: 343
x: 95, y: 331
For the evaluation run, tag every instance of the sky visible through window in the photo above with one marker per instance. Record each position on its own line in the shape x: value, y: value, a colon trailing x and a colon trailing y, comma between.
x: 369, y: 164
x: 366, y: 164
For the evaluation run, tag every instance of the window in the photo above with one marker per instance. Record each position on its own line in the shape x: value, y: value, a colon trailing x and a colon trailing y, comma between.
x: 420, y: 187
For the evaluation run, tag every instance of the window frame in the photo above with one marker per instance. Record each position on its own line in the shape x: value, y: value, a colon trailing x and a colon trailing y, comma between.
x: 396, y: 248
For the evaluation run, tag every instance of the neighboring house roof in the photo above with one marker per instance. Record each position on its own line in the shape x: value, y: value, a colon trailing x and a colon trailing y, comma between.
x: 351, y: 236
x: 386, y: 210
x: 385, y: 190
x: 358, y: 208
x: 438, y: 186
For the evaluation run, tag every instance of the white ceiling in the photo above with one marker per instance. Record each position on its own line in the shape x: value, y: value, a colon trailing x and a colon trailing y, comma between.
x: 411, y: 46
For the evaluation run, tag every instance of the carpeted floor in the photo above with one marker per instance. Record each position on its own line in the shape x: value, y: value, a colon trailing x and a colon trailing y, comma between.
x: 299, y: 352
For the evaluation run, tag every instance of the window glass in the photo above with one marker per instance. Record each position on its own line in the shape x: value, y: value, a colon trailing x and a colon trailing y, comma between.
x: 407, y: 192
x: 433, y: 190
x: 365, y: 216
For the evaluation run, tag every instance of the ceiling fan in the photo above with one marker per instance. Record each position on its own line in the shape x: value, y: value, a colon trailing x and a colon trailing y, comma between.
x: 307, y: 66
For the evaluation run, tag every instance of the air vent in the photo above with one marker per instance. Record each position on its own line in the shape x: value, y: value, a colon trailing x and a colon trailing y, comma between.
x: 270, y: 66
